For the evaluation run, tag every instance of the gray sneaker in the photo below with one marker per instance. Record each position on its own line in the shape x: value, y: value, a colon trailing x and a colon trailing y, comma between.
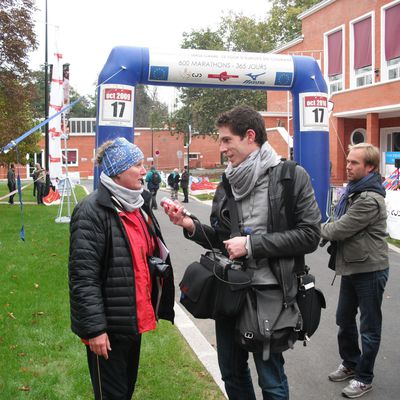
x: 356, y: 389
x: 341, y: 374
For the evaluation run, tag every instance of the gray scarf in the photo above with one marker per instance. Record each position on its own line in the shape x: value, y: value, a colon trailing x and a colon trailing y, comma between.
x: 129, y: 199
x: 244, y: 176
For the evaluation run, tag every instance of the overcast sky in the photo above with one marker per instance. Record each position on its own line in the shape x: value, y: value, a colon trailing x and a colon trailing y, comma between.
x: 87, y: 30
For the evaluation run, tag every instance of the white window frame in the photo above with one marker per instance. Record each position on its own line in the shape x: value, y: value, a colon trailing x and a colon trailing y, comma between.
x: 353, y: 75
x: 384, y: 133
x: 362, y: 130
x: 385, y: 68
x: 64, y: 161
x: 80, y: 121
x: 196, y: 154
x: 326, y: 60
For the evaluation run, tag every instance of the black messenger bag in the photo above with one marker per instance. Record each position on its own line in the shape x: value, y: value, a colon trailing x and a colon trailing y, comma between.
x: 214, y: 287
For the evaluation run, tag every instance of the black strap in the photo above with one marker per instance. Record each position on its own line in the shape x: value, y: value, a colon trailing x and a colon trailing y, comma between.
x: 287, y: 180
x: 232, y: 206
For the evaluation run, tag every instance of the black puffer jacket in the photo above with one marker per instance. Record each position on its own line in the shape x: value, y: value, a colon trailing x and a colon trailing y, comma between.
x: 281, y: 245
x: 101, y: 273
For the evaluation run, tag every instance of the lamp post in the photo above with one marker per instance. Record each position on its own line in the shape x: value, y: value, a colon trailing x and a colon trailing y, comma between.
x: 188, y: 148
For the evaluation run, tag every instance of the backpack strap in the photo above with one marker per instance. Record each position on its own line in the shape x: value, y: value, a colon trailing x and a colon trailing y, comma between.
x: 287, y: 181
x: 232, y: 206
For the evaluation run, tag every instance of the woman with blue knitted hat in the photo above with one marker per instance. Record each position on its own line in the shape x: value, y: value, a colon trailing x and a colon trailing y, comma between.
x: 119, y: 285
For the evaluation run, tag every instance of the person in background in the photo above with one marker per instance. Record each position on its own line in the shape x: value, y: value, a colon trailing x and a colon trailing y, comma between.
x: 153, y: 180
x: 185, y: 184
x: 359, y: 253
x: 117, y: 292
x: 34, y: 177
x: 11, y: 182
x: 40, y: 183
x: 173, y: 183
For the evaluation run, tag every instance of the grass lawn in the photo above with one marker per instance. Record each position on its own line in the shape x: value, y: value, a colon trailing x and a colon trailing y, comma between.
x: 40, y: 357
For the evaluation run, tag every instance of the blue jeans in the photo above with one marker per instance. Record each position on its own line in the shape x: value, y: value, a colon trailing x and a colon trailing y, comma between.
x: 363, y: 291
x: 235, y: 371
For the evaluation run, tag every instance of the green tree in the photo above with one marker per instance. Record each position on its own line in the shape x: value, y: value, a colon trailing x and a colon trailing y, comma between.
x: 85, y: 108
x: 17, y: 39
x: 283, y: 24
x: 149, y: 111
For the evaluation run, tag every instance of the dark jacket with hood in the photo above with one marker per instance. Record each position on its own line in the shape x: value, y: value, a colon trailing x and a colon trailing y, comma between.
x: 101, y: 272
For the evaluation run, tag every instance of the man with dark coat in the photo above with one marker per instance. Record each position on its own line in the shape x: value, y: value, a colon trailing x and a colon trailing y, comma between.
x: 11, y: 183
x: 153, y: 180
x: 268, y: 242
x: 185, y: 184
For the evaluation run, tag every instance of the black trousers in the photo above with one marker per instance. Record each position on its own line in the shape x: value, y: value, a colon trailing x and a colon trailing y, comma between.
x: 40, y: 187
x: 186, y: 194
x: 11, y: 188
x: 115, y: 378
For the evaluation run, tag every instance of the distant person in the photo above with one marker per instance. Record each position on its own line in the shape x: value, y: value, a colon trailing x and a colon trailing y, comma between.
x: 34, y: 177
x: 185, y: 184
x: 359, y: 253
x: 11, y: 183
x: 173, y: 183
x: 153, y: 180
x: 116, y: 291
x: 40, y: 183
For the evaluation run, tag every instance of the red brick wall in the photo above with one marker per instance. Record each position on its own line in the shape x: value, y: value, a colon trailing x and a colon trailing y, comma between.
x: 314, y: 26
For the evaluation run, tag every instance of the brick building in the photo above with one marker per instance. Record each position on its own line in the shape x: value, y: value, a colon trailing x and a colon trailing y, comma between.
x: 357, y: 45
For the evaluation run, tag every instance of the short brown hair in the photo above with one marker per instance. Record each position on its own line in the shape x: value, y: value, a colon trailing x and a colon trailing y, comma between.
x: 371, y: 153
x: 242, y: 118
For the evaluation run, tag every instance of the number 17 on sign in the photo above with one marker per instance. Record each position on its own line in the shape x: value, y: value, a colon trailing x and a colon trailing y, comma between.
x: 313, y: 112
x: 116, y: 105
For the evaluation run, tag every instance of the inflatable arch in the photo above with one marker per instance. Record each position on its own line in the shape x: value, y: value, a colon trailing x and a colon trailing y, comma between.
x: 128, y: 66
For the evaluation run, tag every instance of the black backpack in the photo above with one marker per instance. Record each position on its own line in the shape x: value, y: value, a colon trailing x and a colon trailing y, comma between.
x: 155, y: 178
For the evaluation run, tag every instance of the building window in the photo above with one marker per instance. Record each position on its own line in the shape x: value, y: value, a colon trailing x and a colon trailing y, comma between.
x: 394, y: 68
x: 391, y: 46
x: 362, y: 62
x: 335, y: 61
x: 82, y: 126
x: 71, y: 158
x: 363, y: 76
x: 395, y: 141
x: 194, y: 156
x: 358, y: 136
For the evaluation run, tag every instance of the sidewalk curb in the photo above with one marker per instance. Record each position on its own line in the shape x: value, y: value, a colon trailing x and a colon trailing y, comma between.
x: 394, y: 248
x: 199, y: 344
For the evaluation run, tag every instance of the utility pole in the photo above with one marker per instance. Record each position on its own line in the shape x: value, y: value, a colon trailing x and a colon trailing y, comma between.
x: 188, y: 148
x: 46, y: 94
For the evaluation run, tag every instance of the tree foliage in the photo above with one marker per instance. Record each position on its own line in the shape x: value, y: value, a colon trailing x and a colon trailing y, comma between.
x: 283, y: 24
x: 149, y: 111
x: 17, y: 39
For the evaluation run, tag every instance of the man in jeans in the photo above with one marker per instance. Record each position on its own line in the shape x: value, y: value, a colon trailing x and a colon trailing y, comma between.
x: 360, y: 255
x: 267, y: 243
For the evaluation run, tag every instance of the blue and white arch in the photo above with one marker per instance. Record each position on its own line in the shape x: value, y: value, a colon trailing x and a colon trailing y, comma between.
x: 129, y: 66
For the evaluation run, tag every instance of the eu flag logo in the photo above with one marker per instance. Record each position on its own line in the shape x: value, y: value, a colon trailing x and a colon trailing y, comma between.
x: 283, y: 78
x: 158, y: 73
